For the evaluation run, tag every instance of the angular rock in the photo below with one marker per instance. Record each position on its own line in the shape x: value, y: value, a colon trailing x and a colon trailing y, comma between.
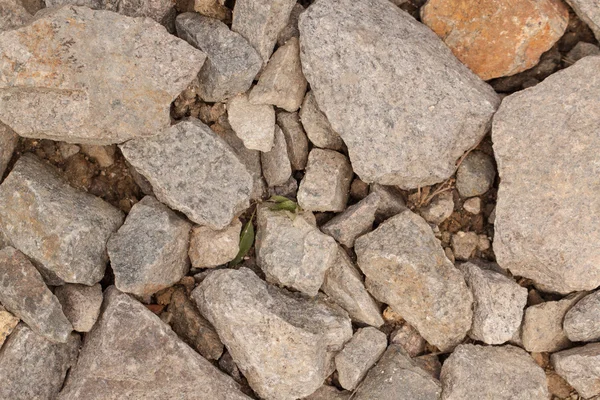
x: 394, y: 136
x: 292, y: 251
x: 145, y: 360
x: 409, y: 339
x: 194, y: 171
x: 12, y: 16
x: 282, y: 83
x: 472, y: 205
x: 328, y: 393
x: 8, y: 322
x: 359, y: 189
x: 74, y: 91
x: 391, y: 201
x: 276, y: 166
x: 80, y: 304
x: 253, y: 123
x: 149, y: 252
x: 318, y: 129
x: 355, y: 221
x: 581, y: 50
x: 503, y: 373
x: 359, y: 355
x: 475, y: 175
x: 440, y: 208
x: 581, y: 321
x: 32, y: 367
x: 291, y: 29
x: 8, y: 143
x: 288, y: 189
x: 546, y: 226
x: 326, y: 183
x: 589, y: 12
x: 231, y: 63
x: 210, y: 248
x: 295, y: 138
x: 406, y: 268
x: 283, y: 344
x: 580, y: 367
x: 464, y: 244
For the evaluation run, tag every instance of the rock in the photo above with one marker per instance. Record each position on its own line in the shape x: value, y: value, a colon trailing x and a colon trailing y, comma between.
x: 557, y: 386
x: 210, y: 8
x: 32, y: 367
x: 282, y: 83
x: 253, y: 123
x: 283, y: 344
x: 13, y: 15
x: 260, y: 22
x: 355, y: 221
x: 276, y: 166
x: 498, y: 304
x: 227, y: 365
x: 194, y: 171
x: 292, y: 251
x: 580, y: 367
x: 395, y: 136
x: 210, y: 248
x: 406, y: 268
x: 149, y: 252
x: 589, y: 12
x: 295, y: 138
x: 464, y: 244
x: 475, y: 175
x: 104, y: 155
x: 8, y: 322
x: 8, y: 143
x: 472, y: 205
x: 192, y: 328
x: 288, y: 189
x: 145, y: 359
x: 546, y: 228
x: 391, y: 201
x: 503, y: 373
x: 344, y: 285
x: 439, y: 209
x: 328, y: 393
x: 231, y: 63
x: 581, y: 321
x: 317, y: 126
x: 62, y: 229
x: 326, y: 183
x: 75, y: 90
x: 581, y: 50
x: 291, y: 29
x: 409, y: 339
x: 359, y: 190
x: 497, y: 37
x: 68, y: 149
x: 359, y: 355
x: 430, y: 363
x: 397, y: 377
x: 80, y: 304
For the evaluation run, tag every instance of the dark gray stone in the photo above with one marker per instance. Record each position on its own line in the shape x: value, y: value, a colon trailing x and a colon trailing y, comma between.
x: 355, y: 221
x: 475, y: 175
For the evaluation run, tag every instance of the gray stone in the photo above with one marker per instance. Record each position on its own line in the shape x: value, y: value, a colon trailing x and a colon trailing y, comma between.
x: 359, y: 355
x: 32, y: 367
x: 282, y: 83
x: 295, y: 138
x: 149, y: 252
x: 283, y: 344
x: 472, y: 205
x: 359, y: 190
x: 62, y: 229
x: 464, y: 244
x: 253, y: 123
x: 409, y: 339
x: 406, y: 268
x: 581, y: 321
x: 8, y: 323
x: 439, y: 209
x: 391, y: 201
x: 589, y: 12
x: 291, y: 29
x: 498, y: 304
x: 395, y: 136
x: 25, y: 295
x: 430, y: 363
x: 81, y: 304
x: 355, y: 221
x: 193, y: 170
x: 260, y: 22
x: 288, y: 189
x: 487, y: 372
x: 580, y: 367
x: 581, y: 50
x: 547, y: 224
x: 145, y: 360
x: 210, y: 248
x: 326, y: 183
x: 13, y: 15
x: 475, y: 175
x: 8, y: 143
x: 104, y: 155
x: 75, y: 90
x: 292, y: 251
x: 276, y: 165
x: 231, y: 63
x: 326, y: 392
x: 397, y: 377
x: 317, y: 126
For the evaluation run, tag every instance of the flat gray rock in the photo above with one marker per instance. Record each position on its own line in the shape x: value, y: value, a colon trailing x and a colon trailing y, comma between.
x: 8, y: 143
x: 355, y: 221
x: 589, y: 12
x: 359, y: 355
x: 81, y: 304
x: 406, y: 268
x: 145, y: 360
x: 283, y: 344
x: 394, y: 136
x: 210, y: 248
x: 295, y: 139
x: 39, y: 206
x: 76, y: 92
x: 276, y: 165
x: 547, y: 224
x: 580, y: 367
x: 581, y: 321
x: 13, y: 15
x: 253, y: 123
x: 475, y: 175
x: 194, y: 171
x: 317, y: 126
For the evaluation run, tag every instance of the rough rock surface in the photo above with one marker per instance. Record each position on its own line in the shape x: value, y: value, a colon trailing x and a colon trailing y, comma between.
x: 8, y: 142
x: 193, y: 170
x: 475, y: 175
x: 326, y: 392
x: 104, y: 155
x: 581, y: 321
x: 210, y: 8
x: 472, y: 205
x: 464, y: 244
x: 391, y: 201
x: 394, y: 136
x: 8, y: 322
x: 39, y: 206
x: 440, y: 208
x: 61, y: 67
x: 409, y: 339
x: 548, y: 212
x: 276, y: 165
x: 580, y: 367
x: 475, y: 372
x: 295, y: 138
x: 145, y: 360
x: 282, y: 344
x: 13, y: 15
x: 80, y: 304
x: 317, y: 126
x: 406, y: 268
x: 355, y: 221
x: 253, y: 123
x: 210, y: 248
x: 359, y: 355
x: 589, y: 12
x: 291, y: 29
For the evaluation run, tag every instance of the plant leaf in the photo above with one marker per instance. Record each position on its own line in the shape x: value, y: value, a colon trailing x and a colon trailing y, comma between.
x: 287, y: 205
x: 246, y: 242
x: 278, y: 199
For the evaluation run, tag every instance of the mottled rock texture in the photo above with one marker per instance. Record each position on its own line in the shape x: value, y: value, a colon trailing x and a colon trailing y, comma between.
x: 317, y: 126
x: 276, y: 165
x: 355, y: 221
x: 8, y: 142
x: 581, y: 321
x: 8, y: 323
x: 580, y: 367
x: 81, y: 304
x: 253, y: 123
x: 295, y: 139
x: 475, y: 175
x: 210, y: 248
x: 13, y: 15
x: 359, y: 355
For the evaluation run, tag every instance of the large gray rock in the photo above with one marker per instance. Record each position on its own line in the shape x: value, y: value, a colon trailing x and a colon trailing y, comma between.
x: 62, y: 68
x: 231, y: 63
x: 62, y: 229
x: 32, y: 367
x: 193, y: 170
x: 355, y: 221
x: 581, y: 321
x: 283, y: 344
x: 276, y: 165
x: 405, y: 267
x: 580, y: 367
x: 8, y: 142
x: 253, y: 123
x: 210, y: 248
x: 13, y: 15
x: 144, y: 360
x: 318, y: 129
x: 589, y: 12
x: 475, y: 372
x: 394, y: 136
x: 548, y: 210
x: 25, y: 294
x: 150, y: 251
x: 359, y: 355
x: 81, y: 304
x: 295, y: 138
